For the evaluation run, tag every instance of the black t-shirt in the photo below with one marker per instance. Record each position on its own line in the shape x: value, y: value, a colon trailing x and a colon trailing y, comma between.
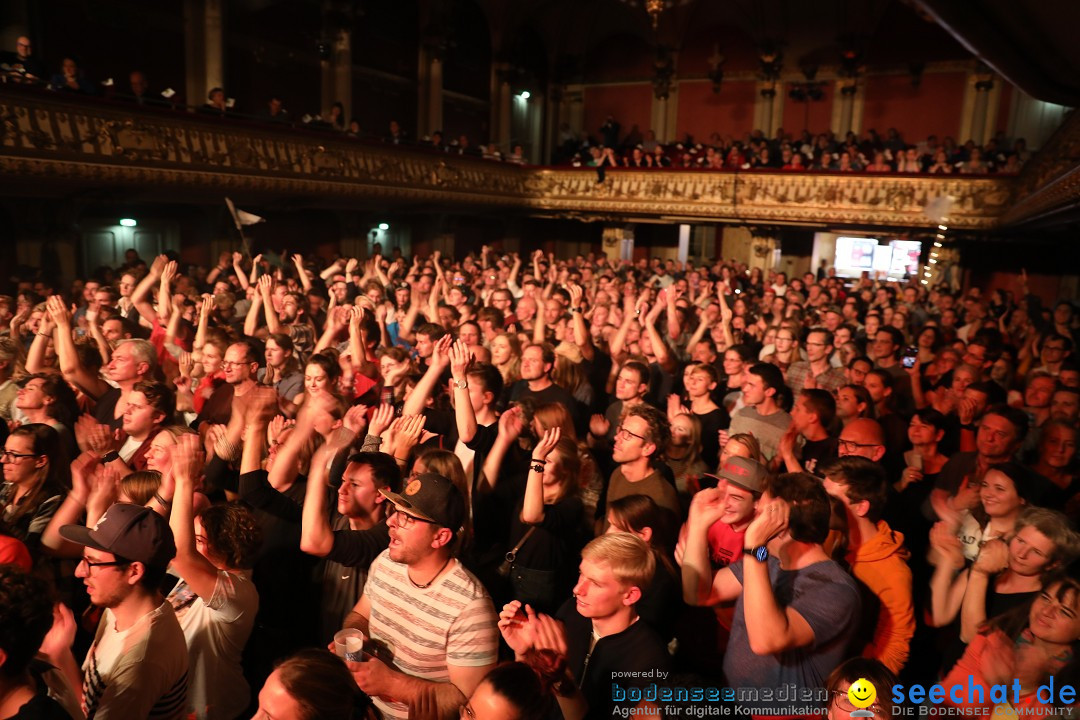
x: 816, y: 454
x: 711, y: 425
x: 613, y: 660
x: 105, y: 409
x: 553, y: 394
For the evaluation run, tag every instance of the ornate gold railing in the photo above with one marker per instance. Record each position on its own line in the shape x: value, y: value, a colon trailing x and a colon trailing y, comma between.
x: 47, y: 137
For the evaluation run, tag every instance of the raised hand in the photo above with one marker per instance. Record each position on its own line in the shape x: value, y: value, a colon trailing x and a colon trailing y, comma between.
x: 599, y: 426
x: 771, y: 518
x: 511, y: 423
x: 350, y: 266
x: 356, y: 419
x: 187, y: 458
x: 381, y: 419
x: 82, y: 468
x: 440, y: 354
x: 460, y: 359
x: 58, y: 312
x: 407, y: 434
x: 278, y: 425
x: 547, y: 443
x: 706, y: 508
x: 237, y: 258
x: 517, y: 624
x: 266, y: 285
x: 168, y: 273
x: 993, y: 557
x: 575, y: 296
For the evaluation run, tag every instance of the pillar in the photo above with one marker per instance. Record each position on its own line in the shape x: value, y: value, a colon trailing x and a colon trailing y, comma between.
x: 337, y: 74
x: 506, y: 95
x: 435, y: 94
x: 204, y: 50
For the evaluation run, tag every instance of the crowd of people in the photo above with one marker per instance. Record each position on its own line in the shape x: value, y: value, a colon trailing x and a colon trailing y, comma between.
x: 608, y: 147
x: 528, y: 482
x: 791, y: 152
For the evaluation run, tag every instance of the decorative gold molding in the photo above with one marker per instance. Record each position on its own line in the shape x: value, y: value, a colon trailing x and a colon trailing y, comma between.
x: 49, y: 138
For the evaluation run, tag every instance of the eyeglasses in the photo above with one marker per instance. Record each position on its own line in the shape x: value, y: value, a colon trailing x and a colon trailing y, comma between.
x: 91, y: 565
x: 851, y: 445
x: 14, y: 457
x: 230, y: 363
x: 621, y: 430
x: 840, y: 697
x: 406, y: 520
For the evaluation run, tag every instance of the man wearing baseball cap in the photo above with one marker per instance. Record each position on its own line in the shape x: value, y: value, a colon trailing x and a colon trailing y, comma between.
x: 718, y: 520
x: 137, y: 666
x: 423, y: 604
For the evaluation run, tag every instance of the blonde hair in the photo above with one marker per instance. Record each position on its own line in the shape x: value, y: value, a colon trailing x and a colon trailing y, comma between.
x: 512, y: 371
x: 749, y: 442
x: 629, y: 557
x: 567, y: 466
x: 140, y: 486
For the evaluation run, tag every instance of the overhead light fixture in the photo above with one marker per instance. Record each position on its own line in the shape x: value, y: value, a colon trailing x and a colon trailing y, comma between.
x: 925, y: 282
x: 128, y: 222
x: 937, y: 244
x: 384, y: 226
x: 942, y: 228
x: 933, y: 261
x: 525, y: 95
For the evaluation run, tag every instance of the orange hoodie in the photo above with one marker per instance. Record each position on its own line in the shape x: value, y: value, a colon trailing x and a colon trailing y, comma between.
x: 880, y: 564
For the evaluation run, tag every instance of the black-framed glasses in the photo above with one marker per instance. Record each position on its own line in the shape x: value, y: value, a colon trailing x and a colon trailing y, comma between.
x: 230, y: 363
x: 90, y: 565
x: 852, y: 445
x: 407, y: 520
x: 621, y: 430
x: 11, y: 456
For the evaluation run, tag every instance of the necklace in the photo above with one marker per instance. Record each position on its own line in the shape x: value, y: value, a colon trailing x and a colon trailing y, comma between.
x: 426, y: 585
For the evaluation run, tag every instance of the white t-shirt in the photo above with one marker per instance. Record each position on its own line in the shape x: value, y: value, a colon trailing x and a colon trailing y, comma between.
x: 423, y: 631
x: 216, y: 632
x: 138, y: 673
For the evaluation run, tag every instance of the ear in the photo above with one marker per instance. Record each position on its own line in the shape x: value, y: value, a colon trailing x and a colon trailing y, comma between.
x: 136, y: 571
x: 632, y: 596
x: 646, y: 534
x: 442, y: 537
x: 879, y: 453
x: 489, y: 397
x: 142, y: 368
x: 861, y: 508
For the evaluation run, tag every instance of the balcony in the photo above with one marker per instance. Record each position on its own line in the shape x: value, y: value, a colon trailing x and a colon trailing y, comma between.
x: 56, y: 144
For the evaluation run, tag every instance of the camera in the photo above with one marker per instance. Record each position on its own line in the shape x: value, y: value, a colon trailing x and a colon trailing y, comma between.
x: 911, y: 354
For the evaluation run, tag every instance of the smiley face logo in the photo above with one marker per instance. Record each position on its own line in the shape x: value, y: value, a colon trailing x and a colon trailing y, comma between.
x: 862, y: 693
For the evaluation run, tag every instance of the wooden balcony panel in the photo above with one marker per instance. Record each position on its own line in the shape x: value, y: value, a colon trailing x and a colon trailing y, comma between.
x: 49, y: 138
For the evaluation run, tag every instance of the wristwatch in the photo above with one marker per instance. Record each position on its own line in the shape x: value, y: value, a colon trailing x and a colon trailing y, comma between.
x: 109, y: 457
x: 760, y: 553
x: 461, y: 384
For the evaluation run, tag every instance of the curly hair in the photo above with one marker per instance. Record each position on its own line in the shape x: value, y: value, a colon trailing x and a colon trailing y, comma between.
x: 232, y: 532
x: 26, y: 614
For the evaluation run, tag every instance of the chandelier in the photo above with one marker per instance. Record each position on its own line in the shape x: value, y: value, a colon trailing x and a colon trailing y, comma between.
x: 655, y: 8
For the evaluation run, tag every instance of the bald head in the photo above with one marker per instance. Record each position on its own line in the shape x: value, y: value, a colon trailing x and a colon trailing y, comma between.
x: 863, y: 437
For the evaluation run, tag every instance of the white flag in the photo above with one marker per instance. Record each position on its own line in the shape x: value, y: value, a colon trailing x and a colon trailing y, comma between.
x: 242, y: 218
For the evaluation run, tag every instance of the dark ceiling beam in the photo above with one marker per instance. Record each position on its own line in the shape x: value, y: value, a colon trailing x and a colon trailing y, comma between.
x: 1012, y: 52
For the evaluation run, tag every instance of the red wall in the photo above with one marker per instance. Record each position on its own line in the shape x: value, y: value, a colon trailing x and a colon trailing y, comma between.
x: 817, y: 119
x: 629, y: 104
x: 1047, y: 287
x: 933, y: 107
x: 703, y: 112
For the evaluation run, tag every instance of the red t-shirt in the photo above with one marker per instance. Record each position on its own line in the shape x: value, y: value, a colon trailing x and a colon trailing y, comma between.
x: 725, y: 544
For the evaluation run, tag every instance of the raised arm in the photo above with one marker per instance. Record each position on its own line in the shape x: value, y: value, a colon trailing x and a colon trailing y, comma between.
x: 35, y: 358
x: 316, y: 536
x: 631, y: 312
x: 532, y: 511
x: 140, y: 296
x: 674, y: 325
x: 464, y: 414
x: 93, y: 324
x: 238, y: 269
x: 993, y: 559
x: 440, y: 360
x: 273, y: 323
x: 164, y: 308
x: 305, y: 281
x: 699, y: 585
x: 663, y: 353
x: 511, y: 424
x: 582, y: 338
x: 73, y: 370
x: 199, y: 573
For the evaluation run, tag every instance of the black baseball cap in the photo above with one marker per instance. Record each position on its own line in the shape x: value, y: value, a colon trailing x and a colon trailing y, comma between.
x: 131, y: 532
x: 431, y: 497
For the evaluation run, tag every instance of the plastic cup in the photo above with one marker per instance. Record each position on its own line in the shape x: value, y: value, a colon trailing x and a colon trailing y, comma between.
x: 349, y: 644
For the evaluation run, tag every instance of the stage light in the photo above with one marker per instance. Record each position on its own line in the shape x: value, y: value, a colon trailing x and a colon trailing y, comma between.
x: 384, y: 226
x: 525, y: 95
x: 128, y: 222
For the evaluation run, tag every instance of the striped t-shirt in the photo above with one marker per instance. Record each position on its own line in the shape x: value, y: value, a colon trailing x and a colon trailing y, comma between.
x: 423, y: 631
x: 140, y: 672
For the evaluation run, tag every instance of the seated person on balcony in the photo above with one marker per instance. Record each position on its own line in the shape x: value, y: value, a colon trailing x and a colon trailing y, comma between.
x: 215, y: 103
